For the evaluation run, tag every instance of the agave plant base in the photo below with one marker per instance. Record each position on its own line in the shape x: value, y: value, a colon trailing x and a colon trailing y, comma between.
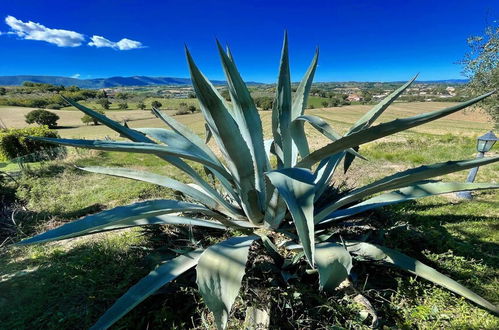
x: 246, y: 195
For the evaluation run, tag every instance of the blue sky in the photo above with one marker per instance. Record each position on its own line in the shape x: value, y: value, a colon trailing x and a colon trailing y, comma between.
x: 361, y: 40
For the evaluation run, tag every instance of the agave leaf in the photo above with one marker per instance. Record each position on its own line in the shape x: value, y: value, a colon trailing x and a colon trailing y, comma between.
x: 139, y: 137
x: 229, y: 139
x: 298, y: 108
x: 381, y: 253
x: 408, y: 193
x: 96, y: 222
x: 323, y: 127
x: 296, y: 187
x: 333, y: 263
x: 173, y: 139
x: 324, y: 173
x: 370, y: 117
x: 139, y: 147
x: 199, y: 195
x: 382, y: 130
x: 208, y: 133
x: 281, y: 111
x: 220, y: 270
x: 184, y: 131
x: 246, y: 116
x: 114, y: 125
x: 349, y: 158
x: 403, y: 179
x: 148, y: 285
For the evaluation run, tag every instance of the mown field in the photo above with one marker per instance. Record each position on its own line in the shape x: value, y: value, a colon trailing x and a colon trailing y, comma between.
x: 68, y: 285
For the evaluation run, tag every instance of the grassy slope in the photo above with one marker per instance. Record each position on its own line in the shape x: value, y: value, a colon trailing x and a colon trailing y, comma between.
x: 69, y: 284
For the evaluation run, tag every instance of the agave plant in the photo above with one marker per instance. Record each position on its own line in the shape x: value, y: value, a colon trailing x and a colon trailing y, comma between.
x: 262, y: 186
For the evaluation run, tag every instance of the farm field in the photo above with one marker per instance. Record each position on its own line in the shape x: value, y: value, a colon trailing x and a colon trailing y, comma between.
x: 468, y: 123
x: 71, y: 283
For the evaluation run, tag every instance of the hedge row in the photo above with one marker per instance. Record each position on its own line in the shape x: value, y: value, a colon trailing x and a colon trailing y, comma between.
x: 15, y: 143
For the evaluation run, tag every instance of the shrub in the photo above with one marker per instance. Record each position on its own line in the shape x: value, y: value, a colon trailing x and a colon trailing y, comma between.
x: 15, y: 143
x: 86, y: 119
x: 156, y: 104
x: 104, y: 103
x: 255, y: 201
x: 42, y: 117
x: 54, y: 106
x: 141, y: 105
x: 264, y: 102
x: 123, y: 105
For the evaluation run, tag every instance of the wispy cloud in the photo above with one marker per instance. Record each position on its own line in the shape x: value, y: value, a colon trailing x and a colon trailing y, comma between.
x: 36, y: 31
x: 63, y: 38
x: 76, y: 75
x: 123, y: 44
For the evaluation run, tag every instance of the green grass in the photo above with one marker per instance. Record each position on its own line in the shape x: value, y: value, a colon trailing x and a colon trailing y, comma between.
x: 71, y: 283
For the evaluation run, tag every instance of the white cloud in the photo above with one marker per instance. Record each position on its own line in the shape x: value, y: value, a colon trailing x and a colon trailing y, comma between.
x: 36, y: 31
x: 76, y: 75
x: 123, y: 44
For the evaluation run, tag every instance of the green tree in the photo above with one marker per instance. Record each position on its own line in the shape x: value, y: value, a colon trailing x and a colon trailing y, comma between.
x: 156, y: 104
x: 86, y: 119
x: 480, y: 65
x: 366, y: 97
x: 123, y: 106
x: 141, y: 105
x: 192, y: 108
x: 101, y: 94
x: 42, y: 117
x: 3, y: 91
x: 104, y: 103
x: 122, y: 96
x: 325, y: 104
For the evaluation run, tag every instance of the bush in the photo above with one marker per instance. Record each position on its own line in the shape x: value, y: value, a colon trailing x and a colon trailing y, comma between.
x: 14, y: 142
x: 264, y: 102
x: 54, y: 106
x: 156, y: 104
x: 42, y: 117
x: 123, y: 106
x: 86, y: 119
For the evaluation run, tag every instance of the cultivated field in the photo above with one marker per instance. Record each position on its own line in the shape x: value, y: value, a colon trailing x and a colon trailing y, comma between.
x: 71, y: 283
x: 468, y: 123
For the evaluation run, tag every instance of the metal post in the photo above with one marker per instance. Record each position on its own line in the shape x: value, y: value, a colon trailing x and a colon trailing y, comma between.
x: 471, y: 178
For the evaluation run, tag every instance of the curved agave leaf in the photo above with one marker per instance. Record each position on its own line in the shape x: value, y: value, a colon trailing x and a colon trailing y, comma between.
x: 382, y: 130
x: 201, y: 196
x: 229, y: 139
x: 334, y: 264
x: 298, y: 108
x: 408, y: 193
x: 185, y: 132
x: 139, y: 147
x: 323, y: 127
x: 220, y: 270
x: 114, y: 125
x: 105, y: 219
x: 381, y: 253
x: 296, y: 186
x: 403, y: 179
x: 324, y: 173
x: 139, y: 137
x: 370, y: 117
x: 246, y: 116
x: 159, y: 277
x: 281, y: 111
x: 173, y: 139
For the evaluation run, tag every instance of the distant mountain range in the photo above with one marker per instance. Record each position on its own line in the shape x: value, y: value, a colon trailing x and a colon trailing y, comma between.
x: 138, y: 81
x: 99, y: 82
